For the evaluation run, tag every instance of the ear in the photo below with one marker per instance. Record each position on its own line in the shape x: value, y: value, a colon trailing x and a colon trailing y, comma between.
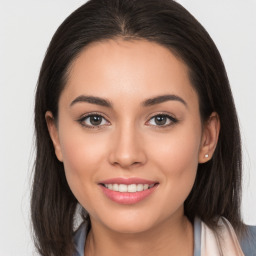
x: 53, y: 131
x: 210, y: 137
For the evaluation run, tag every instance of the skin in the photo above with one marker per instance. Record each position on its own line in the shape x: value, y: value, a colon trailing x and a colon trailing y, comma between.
x: 130, y: 143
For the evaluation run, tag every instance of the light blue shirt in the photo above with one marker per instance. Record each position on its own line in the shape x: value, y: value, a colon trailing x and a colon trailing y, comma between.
x: 248, y: 242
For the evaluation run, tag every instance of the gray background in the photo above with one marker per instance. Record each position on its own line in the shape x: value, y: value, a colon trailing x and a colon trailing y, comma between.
x: 26, y: 28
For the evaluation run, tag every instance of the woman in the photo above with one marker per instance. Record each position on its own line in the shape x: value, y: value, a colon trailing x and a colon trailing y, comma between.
x: 135, y: 122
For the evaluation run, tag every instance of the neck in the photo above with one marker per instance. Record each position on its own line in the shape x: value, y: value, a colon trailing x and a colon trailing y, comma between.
x: 172, y: 237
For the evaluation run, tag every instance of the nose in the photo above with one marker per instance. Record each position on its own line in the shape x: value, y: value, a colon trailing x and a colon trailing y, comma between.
x: 127, y: 148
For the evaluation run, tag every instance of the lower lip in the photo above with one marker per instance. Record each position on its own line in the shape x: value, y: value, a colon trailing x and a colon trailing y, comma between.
x: 126, y: 197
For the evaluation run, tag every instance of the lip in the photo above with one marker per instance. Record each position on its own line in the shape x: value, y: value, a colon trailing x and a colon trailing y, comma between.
x: 128, y: 181
x: 126, y: 197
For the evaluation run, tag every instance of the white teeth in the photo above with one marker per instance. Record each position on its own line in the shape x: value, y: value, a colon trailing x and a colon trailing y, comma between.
x: 139, y: 187
x: 132, y: 188
x: 129, y: 188
x: 115, y: 187
x: 145, y: 186
x: 122, y: 188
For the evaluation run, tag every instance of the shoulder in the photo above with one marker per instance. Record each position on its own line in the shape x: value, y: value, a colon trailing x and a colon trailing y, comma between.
x: 224, y: 239
x: 79, y: 238
x: 248, y: 241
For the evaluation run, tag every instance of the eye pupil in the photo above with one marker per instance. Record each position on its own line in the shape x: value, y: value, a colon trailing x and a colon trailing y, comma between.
x: 160, y: 120
x: 95, y: 120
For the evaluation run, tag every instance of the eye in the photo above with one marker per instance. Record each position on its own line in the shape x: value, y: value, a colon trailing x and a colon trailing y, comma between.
x: 93, y: 121
x: 162, y: 120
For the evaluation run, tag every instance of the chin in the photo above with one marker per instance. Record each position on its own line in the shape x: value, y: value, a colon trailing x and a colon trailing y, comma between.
x: 129, y: 222
x: 132, y: 227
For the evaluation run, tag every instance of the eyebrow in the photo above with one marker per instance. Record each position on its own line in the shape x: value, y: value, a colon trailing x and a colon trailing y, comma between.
x: 163, y: 98
x: 92, y: 100
x: 148, y: 102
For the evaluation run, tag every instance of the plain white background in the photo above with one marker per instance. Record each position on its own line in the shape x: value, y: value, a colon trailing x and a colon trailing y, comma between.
x: 26, y: 28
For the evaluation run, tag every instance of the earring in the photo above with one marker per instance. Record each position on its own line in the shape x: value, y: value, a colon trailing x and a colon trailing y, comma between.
x: 206, y: 155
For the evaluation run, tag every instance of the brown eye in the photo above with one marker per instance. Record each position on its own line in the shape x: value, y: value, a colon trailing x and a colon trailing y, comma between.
x: 162, y: 120
x: 93, y: 121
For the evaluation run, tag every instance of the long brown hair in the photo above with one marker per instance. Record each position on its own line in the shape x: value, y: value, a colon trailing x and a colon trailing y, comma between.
x: 217, y: 188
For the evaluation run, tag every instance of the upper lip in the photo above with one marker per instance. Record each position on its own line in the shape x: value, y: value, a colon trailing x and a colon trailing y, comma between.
x: 127, y: 181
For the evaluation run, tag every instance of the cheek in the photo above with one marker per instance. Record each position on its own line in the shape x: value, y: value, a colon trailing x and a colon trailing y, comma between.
x: 178, y: 150
x: 176, y: 156
x: 177, y: 163
x: 82, y: 150
x: 82, y: 156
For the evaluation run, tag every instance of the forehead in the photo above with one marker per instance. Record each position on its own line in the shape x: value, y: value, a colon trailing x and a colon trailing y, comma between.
x: 129, y: 69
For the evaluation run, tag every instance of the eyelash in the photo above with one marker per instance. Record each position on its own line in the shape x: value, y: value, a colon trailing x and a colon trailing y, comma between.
x: 172, y: 120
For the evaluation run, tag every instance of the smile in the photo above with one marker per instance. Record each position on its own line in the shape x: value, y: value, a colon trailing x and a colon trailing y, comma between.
x: 128, y: 191
x: 132, y: 188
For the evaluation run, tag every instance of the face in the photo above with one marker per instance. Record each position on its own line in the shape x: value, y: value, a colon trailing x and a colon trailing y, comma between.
x: 129, y: 121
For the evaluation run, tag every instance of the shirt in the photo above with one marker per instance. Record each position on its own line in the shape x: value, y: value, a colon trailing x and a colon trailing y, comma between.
x: 247, y: 243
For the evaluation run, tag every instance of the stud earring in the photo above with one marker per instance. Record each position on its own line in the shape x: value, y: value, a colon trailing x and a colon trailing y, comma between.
x: 206, y: 155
